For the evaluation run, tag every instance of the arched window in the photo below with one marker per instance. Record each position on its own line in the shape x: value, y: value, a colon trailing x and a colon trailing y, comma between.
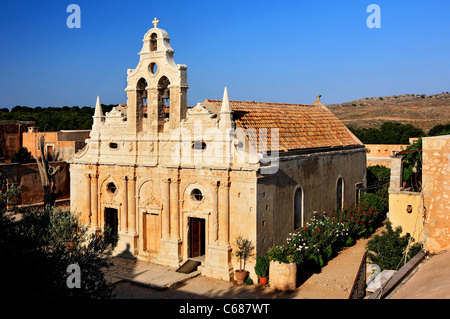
x: 340, y: 193
x: 298, y: 207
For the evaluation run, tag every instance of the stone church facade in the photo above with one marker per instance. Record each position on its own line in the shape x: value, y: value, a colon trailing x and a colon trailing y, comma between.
x: 178, y: 182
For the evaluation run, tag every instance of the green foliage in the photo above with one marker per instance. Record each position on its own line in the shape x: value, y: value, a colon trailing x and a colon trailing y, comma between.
x: 323, y: 237
x: 262, y: 266
x: 388, y: 133
x: 412, y: 166
x: 388, y: 249
x: 379, y: 175
x: 54, y: 118
x: 361, y: 220
x: 37, y: 249
x: 440, y: 129
x: 248, y: 281
x: 22, y: 156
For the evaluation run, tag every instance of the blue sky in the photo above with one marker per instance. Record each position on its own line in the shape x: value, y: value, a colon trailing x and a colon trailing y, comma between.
x: 274, y: 51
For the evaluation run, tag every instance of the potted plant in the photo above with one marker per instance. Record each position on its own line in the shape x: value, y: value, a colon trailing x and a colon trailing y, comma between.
x: 244, y: 251
x: 262, y: 269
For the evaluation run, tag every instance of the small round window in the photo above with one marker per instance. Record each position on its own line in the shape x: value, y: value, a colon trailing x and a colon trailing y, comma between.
x: 153, y: 68
x: 197, y: 195
x: 111, y: 188
x: 198, y: 145
x: 113, y: 145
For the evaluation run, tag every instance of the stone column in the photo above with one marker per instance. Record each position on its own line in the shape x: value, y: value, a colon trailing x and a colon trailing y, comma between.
x: 94, y: 202
x: 214, y: 227
x: 87, y: 205
x: 218, y: 256
x: 174, y: 210
x: 396, y: 173
x: 224, y: 213
x: 132, y: 205
x: 124, y: 208
x: 166, y: 209
x: 169, y: 252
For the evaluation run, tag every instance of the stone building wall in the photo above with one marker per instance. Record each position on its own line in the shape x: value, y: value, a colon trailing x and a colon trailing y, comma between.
x: 436, y: 192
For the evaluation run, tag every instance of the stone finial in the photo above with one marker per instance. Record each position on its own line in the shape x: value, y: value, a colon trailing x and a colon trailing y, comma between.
x: 155, y: 22
x: 98, y: 108
x: 226, y: 119
x: 226, y: 108
x: 98, y: 116
x: 318, y: 97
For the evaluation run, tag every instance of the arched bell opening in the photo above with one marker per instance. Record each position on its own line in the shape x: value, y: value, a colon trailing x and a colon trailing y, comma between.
x: 153, y: 42
x: 142, y: 97
x: 164, y: 97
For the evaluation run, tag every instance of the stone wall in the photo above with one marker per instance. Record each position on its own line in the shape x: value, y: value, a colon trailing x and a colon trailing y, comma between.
x: 11, y: 137
x: 27, y: 176
x: 379, y: 154
x: 436, y: 192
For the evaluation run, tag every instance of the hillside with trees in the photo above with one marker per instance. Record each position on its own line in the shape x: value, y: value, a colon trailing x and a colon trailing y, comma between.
x: 420, y: 110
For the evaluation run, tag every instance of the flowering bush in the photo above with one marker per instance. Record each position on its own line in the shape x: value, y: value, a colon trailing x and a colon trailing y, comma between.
x: 363, y: 219
x: 322, y: 237
x: 315, y: 243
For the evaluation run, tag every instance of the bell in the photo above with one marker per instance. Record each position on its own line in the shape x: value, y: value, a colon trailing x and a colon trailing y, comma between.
x: 166, y: 94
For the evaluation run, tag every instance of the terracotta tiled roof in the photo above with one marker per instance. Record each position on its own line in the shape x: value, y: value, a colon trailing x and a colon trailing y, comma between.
x: 300, y: 126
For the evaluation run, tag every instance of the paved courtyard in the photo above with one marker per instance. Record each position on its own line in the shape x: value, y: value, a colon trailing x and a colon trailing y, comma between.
x: 139, y: 279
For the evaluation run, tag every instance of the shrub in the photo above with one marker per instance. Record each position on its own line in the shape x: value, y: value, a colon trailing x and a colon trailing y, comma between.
x: 262, y: 266
x: 248, y: 281
x: 22, y: 156
x: 388, y: 249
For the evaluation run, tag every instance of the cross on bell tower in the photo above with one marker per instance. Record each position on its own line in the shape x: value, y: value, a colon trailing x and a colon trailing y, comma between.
x: 155, y: 22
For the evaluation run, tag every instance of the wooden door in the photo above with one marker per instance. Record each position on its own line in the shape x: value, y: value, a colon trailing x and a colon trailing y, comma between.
x: 152, y: 232
x: 112, y: 220
x: 197, y: 237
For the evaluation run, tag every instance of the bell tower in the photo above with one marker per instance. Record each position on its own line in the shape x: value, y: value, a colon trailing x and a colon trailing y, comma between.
x: 157, y: 88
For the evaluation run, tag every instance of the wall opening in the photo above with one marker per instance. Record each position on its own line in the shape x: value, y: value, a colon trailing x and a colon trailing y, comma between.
x: 112, y: 220
x: 298, y: 208
x: 340, y: 193
x: 164, y: 97
x: 153, y: 42
x: 196, y: 237
x: 141, y: 97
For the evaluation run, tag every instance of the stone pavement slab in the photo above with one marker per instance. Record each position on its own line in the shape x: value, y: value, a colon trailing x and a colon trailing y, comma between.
x: 145, y: 274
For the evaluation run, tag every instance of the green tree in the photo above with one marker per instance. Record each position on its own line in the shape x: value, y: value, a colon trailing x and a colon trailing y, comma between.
x: 22, y: 156
x: 37, y: 248
x: 389, y: 249
x: 440, y: 129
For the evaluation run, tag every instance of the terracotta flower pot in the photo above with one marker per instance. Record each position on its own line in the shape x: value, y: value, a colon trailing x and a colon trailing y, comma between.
x: 240, y: 276
x: 263, y: 280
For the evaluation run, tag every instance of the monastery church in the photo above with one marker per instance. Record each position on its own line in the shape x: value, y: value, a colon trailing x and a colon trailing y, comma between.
x: 178, y: 182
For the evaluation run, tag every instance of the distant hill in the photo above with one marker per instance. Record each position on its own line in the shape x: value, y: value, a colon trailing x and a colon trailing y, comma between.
x: 421, y: 110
